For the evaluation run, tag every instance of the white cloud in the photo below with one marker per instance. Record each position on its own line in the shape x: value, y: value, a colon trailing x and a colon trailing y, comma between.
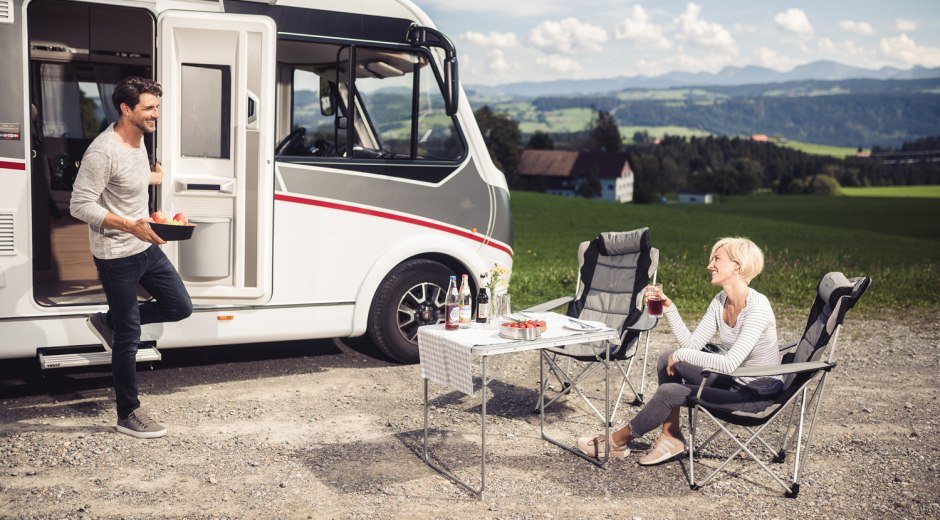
x: 744, y: 28
x: 794, y: 20
x: 842, y: 50
x: 559, y: 63
x: 637, y: 28
x: 567, y: 36
x: 862, y: 28
x: 903, y: 24
x: 772, y: 59
x: 498, y: 62
x: 703, y: 33
x: 904, y: 50
x: 493, y: 39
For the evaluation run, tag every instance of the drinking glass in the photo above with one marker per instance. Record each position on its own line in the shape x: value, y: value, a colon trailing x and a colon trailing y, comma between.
x: 654, y: 300
x: 504, y: 308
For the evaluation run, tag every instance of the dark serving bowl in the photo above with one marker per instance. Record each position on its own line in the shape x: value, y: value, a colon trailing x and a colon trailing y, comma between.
x: 171, y: 232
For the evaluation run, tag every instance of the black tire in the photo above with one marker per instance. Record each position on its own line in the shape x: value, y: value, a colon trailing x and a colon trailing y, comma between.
x: 416, y: 287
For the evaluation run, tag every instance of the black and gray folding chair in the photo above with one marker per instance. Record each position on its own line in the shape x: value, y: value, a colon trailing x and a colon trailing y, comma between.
x: 613, y: 270
x: 801, y: 367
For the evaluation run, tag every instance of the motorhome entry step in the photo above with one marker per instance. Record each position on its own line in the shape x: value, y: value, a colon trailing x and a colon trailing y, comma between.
x: 66, y: 357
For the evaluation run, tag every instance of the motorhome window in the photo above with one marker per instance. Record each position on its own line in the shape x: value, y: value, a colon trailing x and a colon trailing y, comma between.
x: 398, y: 112
x: 206, y: 104
x: 76, y: 100
x: 308, y: 113
x: 438, y: 138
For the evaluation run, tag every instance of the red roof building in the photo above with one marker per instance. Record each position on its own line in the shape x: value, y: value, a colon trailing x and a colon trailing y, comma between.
x: 564, y: 172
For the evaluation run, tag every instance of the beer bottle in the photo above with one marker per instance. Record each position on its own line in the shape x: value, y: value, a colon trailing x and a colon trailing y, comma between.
x: 483, y: 305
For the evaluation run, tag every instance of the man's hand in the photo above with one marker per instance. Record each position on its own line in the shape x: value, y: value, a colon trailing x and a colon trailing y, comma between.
x: 142, y: 230
x: 671, y: 366
x: 156, y: 173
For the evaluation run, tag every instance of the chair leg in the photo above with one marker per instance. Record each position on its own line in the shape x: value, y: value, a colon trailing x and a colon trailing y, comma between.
x: 742, y: 446
x: 781, y: 455
x: 817, y: 395
x: 692, y: 448
x: 646, y: 355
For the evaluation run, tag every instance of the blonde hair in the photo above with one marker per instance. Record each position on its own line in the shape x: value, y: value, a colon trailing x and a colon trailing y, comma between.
x: 743, y: 252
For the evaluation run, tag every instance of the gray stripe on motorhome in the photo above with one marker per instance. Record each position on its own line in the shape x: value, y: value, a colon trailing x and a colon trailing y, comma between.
x: 11, y: 83
x: 460, y: 201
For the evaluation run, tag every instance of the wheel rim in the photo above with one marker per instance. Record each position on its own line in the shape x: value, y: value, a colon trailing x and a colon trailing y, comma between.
x: 421, y: 305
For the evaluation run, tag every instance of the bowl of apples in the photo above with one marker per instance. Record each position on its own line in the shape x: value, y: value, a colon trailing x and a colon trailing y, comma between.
x: 176, y: 228
x: 525, y: 329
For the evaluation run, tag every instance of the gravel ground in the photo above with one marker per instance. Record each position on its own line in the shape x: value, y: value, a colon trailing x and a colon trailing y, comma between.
x: 327, y: 429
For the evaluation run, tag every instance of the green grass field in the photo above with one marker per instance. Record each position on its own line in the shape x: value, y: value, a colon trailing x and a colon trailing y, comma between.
x: 919, y: 192
x: 821, y: 149
x: 895, y: 241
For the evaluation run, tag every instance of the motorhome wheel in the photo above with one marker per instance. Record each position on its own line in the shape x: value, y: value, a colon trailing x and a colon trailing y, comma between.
x: 411, y: 295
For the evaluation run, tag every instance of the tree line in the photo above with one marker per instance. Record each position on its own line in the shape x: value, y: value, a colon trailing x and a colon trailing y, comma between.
x: 714, y: 164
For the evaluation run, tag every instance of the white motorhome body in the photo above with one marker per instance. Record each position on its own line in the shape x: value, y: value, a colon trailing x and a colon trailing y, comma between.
x: 335, y: 174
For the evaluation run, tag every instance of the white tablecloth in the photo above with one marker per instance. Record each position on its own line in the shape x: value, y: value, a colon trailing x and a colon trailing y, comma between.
x: 445, y: 354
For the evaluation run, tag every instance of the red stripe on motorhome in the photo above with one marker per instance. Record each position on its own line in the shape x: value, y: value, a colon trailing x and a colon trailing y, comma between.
x: 392, y: 216
x: 13, y: 165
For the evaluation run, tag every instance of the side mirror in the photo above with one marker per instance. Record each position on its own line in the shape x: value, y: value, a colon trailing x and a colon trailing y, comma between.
x: 451, y: 85
x: 326, y: 97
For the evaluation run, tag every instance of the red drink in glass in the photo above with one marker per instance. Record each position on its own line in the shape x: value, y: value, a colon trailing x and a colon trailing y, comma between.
x: 654, y: 307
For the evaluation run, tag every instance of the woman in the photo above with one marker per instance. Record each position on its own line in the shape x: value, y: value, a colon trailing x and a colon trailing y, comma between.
x: 747, y: 331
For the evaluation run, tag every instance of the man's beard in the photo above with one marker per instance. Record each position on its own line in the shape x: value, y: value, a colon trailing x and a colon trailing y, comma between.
x: 141, y: 125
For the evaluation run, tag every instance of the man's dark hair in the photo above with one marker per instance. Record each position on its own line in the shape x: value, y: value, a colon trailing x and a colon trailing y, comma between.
x: 129, y: 89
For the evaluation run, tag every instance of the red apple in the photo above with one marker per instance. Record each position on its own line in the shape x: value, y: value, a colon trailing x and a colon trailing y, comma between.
x: 181, y: 219
x: 159, y: 217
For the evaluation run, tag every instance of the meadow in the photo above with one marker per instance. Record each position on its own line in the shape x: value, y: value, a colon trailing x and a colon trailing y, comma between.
x: 896, y: 241
x: 917, y: 192
x: 840, y: 152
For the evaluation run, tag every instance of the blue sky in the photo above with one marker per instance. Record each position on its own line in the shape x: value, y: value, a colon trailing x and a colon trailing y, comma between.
x: 504, y: 41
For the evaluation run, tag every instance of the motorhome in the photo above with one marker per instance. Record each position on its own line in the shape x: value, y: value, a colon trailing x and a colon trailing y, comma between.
x: 323, y: 148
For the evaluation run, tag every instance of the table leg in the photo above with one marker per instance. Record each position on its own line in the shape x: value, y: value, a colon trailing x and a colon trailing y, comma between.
x: 440, y: 469
x: 597, y: 462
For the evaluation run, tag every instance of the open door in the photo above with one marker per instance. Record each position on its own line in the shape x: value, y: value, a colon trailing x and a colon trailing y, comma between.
x: 216, y: 144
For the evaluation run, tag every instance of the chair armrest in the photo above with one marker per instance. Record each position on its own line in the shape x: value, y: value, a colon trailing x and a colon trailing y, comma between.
x: 787, y: 346
x: 549, y: 305
x: 644, y: 323
x: 778, y: 370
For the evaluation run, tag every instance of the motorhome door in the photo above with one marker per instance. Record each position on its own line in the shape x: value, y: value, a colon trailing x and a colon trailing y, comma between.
x: 216, y: 144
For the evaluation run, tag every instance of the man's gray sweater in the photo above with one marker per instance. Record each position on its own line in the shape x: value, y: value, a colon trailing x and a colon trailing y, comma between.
x: 113, y: 177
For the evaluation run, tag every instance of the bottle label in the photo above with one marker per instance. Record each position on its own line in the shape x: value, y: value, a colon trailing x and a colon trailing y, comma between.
x: 453, y: 315
x: 466, y: 314
x: 483, y: 311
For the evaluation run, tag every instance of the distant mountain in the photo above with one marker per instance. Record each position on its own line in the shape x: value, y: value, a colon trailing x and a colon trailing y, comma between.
x: 728, y: 76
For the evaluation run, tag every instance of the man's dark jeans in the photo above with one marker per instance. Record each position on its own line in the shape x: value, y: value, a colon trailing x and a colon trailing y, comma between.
x: 119, y: 278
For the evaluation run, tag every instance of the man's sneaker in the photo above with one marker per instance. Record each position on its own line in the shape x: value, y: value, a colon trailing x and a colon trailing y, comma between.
x: 99, y: 327
x: 594, y: 447
x: 139, y: 424
x: 664, y: 448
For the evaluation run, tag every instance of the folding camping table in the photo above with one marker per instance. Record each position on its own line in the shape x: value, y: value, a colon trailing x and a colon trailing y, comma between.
x: 446, y: 358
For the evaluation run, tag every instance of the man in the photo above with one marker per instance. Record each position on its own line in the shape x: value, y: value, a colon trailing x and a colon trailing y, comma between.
x: 110, y: 194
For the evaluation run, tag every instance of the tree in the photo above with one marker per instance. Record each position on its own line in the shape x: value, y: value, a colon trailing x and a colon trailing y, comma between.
x: 541, y: 141
x: 589, y: 184
x: 503, y: 140
x: 604, y: 135
x: 642, y: 137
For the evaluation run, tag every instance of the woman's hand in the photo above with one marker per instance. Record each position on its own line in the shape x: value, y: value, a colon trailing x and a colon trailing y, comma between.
x: 671, y: 366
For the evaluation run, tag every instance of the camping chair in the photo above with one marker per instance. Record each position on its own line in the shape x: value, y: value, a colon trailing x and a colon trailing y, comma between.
x: 614, y: 268
x: 801, y: 366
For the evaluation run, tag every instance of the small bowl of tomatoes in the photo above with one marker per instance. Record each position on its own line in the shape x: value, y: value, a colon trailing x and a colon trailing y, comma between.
x: 525, y: 329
